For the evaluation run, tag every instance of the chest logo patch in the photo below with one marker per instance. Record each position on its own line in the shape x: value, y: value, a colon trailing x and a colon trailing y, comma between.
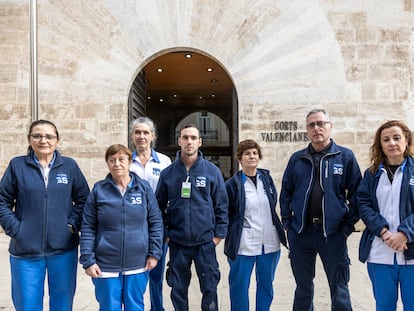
x: 201, y: 182
x: 136, y: 199
x: 338, y: 169
x: 62, y: 179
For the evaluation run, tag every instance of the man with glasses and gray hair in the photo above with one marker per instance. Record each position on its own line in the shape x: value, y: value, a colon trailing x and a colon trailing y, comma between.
x: 318, y: 208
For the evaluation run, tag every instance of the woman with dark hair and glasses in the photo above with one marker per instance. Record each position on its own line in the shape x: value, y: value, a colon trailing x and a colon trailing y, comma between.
x: 42, y: 195
x: 386, y: 205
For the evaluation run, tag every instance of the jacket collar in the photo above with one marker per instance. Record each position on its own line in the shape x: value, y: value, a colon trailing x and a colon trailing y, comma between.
x: 403, y: 165
x: 199, y: 156
x: 32, y: 160
x: 154, y: 155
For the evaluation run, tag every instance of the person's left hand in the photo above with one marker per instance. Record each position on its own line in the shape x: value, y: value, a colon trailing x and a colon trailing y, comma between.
x: 151, y: 263
x: 216, y: 240
x: 397, y: 241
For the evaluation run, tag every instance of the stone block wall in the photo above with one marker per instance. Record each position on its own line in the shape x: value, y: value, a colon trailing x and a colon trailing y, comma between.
x: 354, y: 58
x: 376, y: 41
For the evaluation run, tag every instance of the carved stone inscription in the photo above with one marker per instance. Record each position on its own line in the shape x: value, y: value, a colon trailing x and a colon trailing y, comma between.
x: 285, y: 131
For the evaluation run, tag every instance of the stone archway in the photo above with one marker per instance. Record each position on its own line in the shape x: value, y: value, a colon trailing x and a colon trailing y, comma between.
x: 282, y: 55
x: 180, y: 83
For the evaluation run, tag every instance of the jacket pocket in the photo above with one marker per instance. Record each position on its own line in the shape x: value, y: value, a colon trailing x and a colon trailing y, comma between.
x: 365, y: 245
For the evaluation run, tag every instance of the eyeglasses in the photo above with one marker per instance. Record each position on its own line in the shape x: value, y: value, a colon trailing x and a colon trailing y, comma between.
x: 319, y: 124
x: 38, y: 137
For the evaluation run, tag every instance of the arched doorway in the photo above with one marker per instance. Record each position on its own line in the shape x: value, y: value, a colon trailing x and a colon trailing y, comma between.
x: 177, y: 84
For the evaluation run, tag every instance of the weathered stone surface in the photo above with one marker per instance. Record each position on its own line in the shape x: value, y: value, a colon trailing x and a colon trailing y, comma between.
x: 354, y: 58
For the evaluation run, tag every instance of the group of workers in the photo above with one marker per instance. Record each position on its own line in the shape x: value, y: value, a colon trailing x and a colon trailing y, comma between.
x: 121, y: 230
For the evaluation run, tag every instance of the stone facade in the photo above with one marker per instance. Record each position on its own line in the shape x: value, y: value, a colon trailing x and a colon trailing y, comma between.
x: 354, y: 58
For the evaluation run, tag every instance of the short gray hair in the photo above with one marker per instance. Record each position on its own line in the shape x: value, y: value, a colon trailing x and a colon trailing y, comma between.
x: 147, y: 121
x: 317, y: 111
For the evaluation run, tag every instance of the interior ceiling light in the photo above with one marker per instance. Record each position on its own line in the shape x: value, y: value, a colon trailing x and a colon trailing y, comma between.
x: 213, y: 80
x: 161, y: 100
x: 210, y: 69
x: 188, y: 55
x: 159, y: 69
x: 213, y: 95
x: 149, y: 97
x: 175, y: 95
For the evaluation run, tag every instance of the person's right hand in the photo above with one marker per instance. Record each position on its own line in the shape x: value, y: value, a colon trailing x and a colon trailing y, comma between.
x: 93, y: 271
x: 396, y: 240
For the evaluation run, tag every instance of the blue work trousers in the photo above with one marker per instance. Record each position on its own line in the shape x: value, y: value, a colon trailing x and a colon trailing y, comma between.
x: 156, y: 278
x: 386, y: 279
x: 333, y: 252
x: 179, y: 274
x: 28, y: 281
x: 239, y: 280
x: 125, y: 292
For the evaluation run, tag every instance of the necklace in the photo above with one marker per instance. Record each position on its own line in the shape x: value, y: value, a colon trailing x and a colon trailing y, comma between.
x: 391, y: 171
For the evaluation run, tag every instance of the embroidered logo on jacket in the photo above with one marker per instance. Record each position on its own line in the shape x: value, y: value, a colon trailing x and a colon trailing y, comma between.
x: 338, y: 169
x: 201, y: 182
x: 62, y: 178
x: 411, y: 181
x: 136, y: 199
x: 156, y: 171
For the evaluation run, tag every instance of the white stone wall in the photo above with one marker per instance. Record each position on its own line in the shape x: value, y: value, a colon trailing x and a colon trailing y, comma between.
x: 354, y: 58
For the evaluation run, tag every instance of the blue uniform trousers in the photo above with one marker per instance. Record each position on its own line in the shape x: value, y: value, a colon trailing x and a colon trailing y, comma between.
x: 239, y: 280
x: 156, y: 278
x: 179, y: 274
x: 386, y: 279
x: 28, y: 281
x: 125, y: 292
x: 333, y: 253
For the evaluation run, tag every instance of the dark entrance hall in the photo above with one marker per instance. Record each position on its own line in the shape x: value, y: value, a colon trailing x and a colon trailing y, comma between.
x: 188, y: 87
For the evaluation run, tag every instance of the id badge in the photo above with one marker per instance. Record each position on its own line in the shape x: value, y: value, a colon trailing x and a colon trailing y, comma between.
x: 186, y: 189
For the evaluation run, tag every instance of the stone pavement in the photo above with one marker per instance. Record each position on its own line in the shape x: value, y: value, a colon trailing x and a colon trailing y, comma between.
x: 360, y: 285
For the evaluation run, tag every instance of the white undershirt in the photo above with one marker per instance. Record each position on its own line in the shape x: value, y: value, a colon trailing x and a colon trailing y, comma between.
x: 258, y: 232
x: 105, y: 275
x: 388, y: 196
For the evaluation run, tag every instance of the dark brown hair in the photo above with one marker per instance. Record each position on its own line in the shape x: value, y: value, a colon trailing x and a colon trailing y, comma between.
x: 113, y: 149
x: 247, y: 144
x: 190, y: 125
x: 40, y: 122
x: 376, y: 153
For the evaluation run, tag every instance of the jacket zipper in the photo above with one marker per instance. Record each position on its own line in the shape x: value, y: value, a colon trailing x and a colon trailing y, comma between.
x: 306, y: 196
x: 123, y: 236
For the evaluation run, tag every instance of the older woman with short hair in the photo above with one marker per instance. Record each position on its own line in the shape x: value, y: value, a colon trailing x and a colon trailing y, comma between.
x: 122, y: 234
x: 254, y: 232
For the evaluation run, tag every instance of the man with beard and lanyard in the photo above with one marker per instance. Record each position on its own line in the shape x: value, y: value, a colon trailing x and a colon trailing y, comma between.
x: 192, y: 195
x: 148, y: 164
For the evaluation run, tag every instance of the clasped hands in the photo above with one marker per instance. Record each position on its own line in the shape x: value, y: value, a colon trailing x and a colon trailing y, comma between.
x: 396, y: 240
x: 94, y: 271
